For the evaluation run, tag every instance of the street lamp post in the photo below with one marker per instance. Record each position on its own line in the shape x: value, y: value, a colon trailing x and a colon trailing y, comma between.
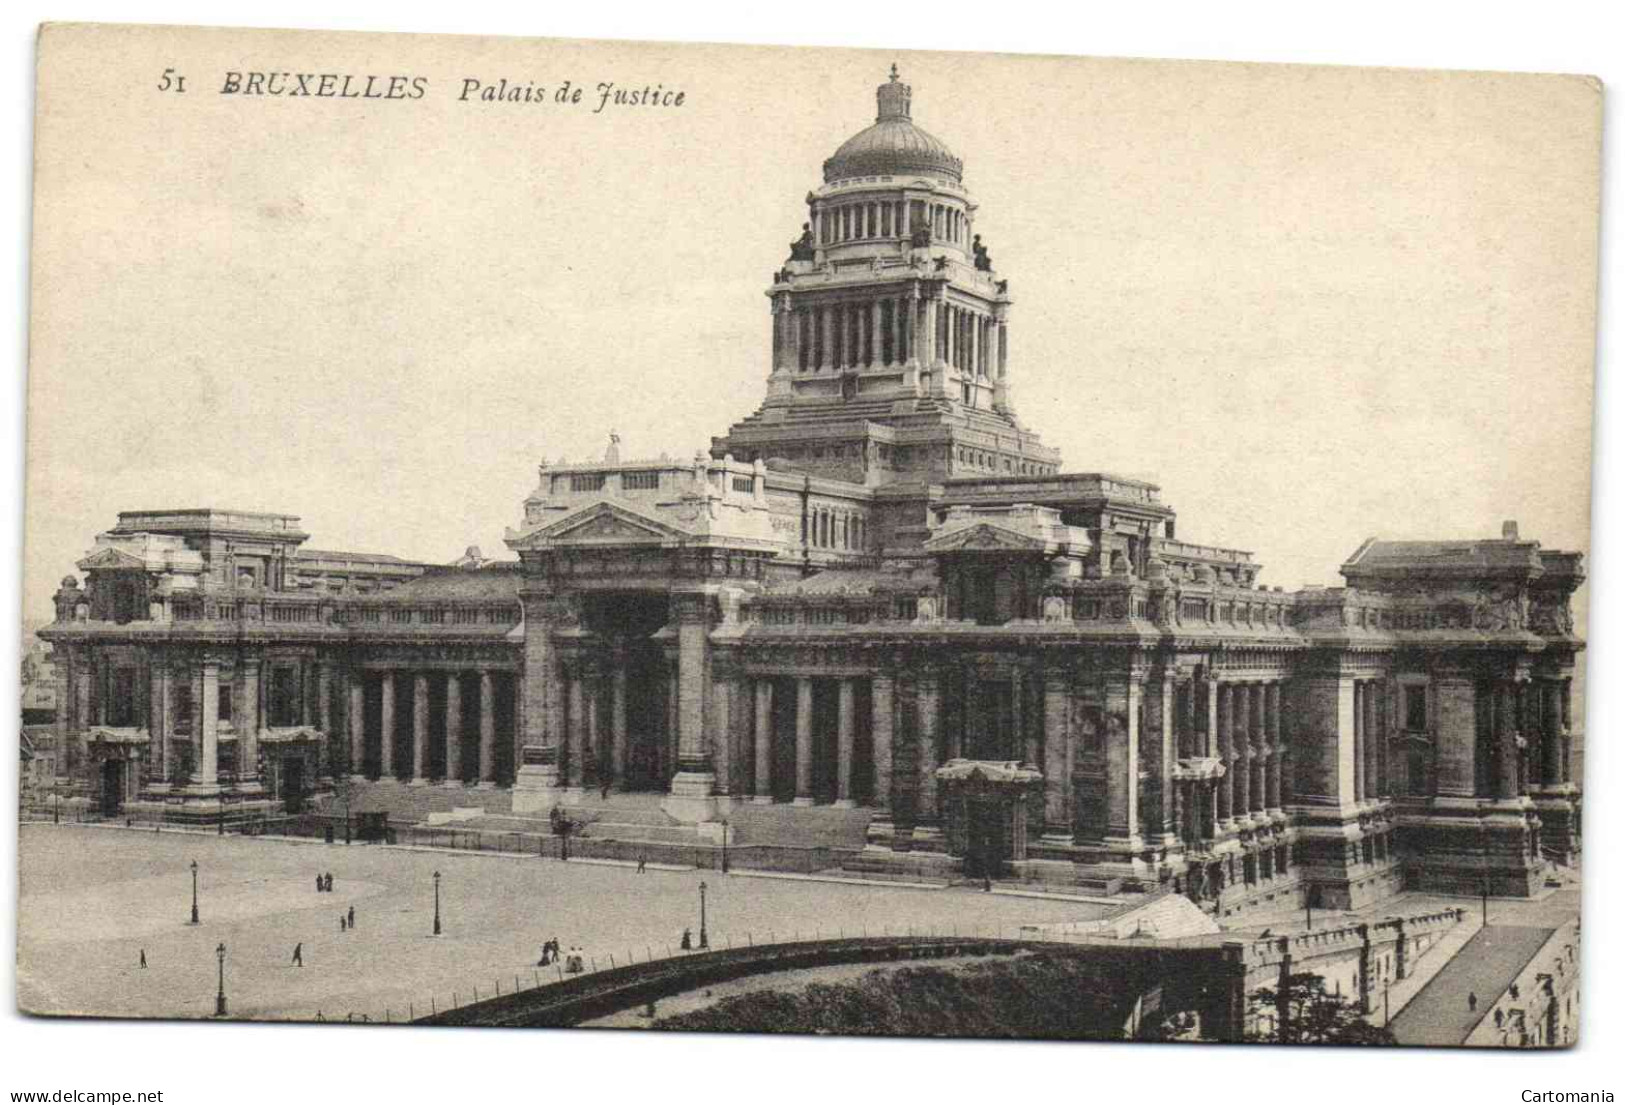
x: 724, y: 845
x: 704, y: 942
x: 220, y: 997
x: 194, y: 892
x: 437, y: 903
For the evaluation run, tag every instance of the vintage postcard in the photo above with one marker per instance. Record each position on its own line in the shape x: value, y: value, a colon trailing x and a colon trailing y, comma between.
x: 559, y: 533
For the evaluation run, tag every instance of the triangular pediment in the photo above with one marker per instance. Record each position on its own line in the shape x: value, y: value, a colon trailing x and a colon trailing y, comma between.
x: 109, y: 558
x: 984, y: 536
x: 604, y: 523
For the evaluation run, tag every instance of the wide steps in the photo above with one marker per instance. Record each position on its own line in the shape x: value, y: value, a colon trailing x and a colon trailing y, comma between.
x: 800, y: 826
x: 409, y: 804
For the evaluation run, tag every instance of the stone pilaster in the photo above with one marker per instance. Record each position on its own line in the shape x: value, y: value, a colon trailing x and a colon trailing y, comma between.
x: 692, y: 797
x: 454, y: 729
x: 883, y: 703
x: 386, y: 726
x: 804, y: 743
x: 420, y: 729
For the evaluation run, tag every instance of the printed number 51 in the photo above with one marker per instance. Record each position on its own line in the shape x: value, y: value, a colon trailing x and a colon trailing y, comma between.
x: 172, y: 80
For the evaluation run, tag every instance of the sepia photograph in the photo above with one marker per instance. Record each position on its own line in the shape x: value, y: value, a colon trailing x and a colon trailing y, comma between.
x: 735, y: 539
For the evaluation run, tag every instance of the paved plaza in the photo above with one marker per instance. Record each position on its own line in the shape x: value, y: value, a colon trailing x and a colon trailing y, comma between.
x: 93, y: 898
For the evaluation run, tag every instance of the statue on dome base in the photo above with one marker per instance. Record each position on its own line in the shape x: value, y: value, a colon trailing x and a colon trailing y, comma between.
x: 802, y: 248
x: 983, y: 262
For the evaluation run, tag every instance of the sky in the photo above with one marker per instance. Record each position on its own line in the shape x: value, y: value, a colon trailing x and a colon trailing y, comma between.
x: 1313, y: 304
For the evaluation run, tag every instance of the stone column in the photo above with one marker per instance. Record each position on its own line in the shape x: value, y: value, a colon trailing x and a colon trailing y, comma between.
x: 324, y: 715
x: 420, y: 729
x: 358, y: 724
x: 1241, y: 755
x: 454, y: 728
x: 826, y: 357
x: 1225, y: 753
x: 928, y: 691
x: 617, y: 723
x: 804, y: 749
x: 1260, y: 742
x: 1551, y: 733
x: 1272, y: 714
x: 877, y: 348
x: 208, y: 767
x: 593, y: 684
x: 1185, y: 702
x: 1457, y: 752
x: 157, y: 716
x: 843, y: 743
x: 541, y: 713
x: 1057, y: 754
x: 1164, y: 750
x: 1506, y: 738
x: 1123, y: 764
x: 386, y: 721
x: 764, y: 741
x: 1373, y: 742
x: 1360, y: 696
x: 882, y: 702
x: 692, y: 799
x: 247, y: 723
x: 488, y: 731
x: 575, y: 727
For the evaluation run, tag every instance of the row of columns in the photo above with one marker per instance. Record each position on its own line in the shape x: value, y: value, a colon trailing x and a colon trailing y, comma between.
x: 971, y: 340
x: 1249, y: 740
x: 764, y: 734
x: 861, y: 334
x: 419, y: 706
x: 886, y: 332
x: 848, y: 222
x: 1372, y: 778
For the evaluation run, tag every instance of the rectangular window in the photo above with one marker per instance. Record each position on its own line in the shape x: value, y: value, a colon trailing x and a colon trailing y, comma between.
x: 121, y: 706
x: 284, y: 696
x: 745, y: 484
x: 224, y: 711
x: 587, y: 481
x: 1416, y: 709
x: 641, y: 481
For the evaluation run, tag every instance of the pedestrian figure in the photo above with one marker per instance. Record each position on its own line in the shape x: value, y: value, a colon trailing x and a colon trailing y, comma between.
x: 987, y: 884
x: 343, y: 924
x: 143, y: 959
x: 641, y: 861
x: 603, y: 792
x: 299, y: 955
x: 318, y: 884
x: 1472, y: 1001
x: 687, y: 943
x: 352, y: 916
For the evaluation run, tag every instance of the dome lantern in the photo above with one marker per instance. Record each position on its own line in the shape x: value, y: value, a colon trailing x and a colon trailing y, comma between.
x: 893, y: 146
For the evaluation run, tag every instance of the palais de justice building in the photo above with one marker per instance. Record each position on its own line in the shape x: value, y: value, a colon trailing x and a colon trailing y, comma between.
x: 879, y: 596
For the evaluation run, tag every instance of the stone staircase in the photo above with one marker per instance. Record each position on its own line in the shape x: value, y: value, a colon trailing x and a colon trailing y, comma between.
x: 409, y: 805
x: 800, y: 826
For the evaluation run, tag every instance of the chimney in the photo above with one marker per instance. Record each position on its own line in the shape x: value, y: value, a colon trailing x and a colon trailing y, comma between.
x: 1509, y: 531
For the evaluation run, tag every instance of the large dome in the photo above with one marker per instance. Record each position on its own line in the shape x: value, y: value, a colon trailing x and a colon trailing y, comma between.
x: 894, y: 146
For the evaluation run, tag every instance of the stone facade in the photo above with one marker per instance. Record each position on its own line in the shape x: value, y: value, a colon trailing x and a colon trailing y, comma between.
x: 880, y: 572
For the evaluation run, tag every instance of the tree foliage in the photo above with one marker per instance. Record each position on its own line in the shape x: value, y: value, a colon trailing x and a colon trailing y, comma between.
x: 1307, y: 1013
x: 1023, y: 997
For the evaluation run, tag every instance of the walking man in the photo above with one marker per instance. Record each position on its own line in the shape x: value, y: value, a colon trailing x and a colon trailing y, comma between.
x: 343, y: 924
x: 318, y: 884
x: 143, y: 959
x: 1472, y: 1002
x: 352, y: 916
x: 641, y: 861
x: 299, y: 955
